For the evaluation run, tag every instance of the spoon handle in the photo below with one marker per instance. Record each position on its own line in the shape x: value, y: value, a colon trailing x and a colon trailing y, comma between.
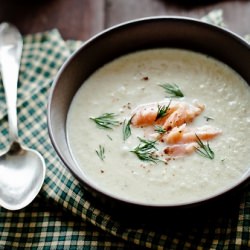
x: 10, y: 56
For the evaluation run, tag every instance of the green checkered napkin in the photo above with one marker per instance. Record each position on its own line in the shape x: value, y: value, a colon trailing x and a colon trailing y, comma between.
x: 62, y: 217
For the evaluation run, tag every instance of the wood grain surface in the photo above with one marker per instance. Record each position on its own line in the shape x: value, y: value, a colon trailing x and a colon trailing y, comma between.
x: 236, y: 13
x: 80, y: 19
x: 75, y: 19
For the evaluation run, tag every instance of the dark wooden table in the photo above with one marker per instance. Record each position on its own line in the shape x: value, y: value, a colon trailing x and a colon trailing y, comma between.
x: 80, y: 19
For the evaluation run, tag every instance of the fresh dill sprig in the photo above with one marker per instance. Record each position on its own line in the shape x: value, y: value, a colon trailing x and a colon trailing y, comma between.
x: 126, y: 130
x: 107, y: 120
x: 110, y: 138
x: 204, y: 149
x: 208, y: 118
x: 145, y: 150
x: 172, y: 89
x: 101, y: 152
x: 160, y: 129
x: 162, y: 111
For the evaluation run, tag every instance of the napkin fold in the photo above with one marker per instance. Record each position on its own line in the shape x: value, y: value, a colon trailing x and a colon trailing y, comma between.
x: 62, y: 216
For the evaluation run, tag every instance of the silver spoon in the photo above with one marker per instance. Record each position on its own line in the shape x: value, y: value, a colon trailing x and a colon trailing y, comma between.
x: 22, y: 170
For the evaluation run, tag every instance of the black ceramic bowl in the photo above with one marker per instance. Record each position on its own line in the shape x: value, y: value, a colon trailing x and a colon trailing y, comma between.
x: 132, y: 36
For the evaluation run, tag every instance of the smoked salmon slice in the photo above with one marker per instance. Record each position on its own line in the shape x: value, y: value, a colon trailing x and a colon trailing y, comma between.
x: 180, y: 149
x: 185, y: 113
x: 183, y: 134
x: 146, y: 114
x: 177, y: 114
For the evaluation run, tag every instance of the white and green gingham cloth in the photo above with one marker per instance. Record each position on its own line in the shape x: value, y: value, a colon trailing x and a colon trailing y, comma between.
x: 62, y: 216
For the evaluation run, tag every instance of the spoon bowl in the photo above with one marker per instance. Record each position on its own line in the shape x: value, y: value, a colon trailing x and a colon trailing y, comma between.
x: 22, y: 170
x: 21, y: 176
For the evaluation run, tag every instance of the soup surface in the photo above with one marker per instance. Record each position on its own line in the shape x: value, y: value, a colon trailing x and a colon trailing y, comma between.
x: 118, y: 136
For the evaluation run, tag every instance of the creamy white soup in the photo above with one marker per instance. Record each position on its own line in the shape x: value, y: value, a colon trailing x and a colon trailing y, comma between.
x: 161, y: 126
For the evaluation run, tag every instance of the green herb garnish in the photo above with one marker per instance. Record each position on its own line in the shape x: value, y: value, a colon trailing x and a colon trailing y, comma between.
x: 145, y: 150
x: 110, y: 138
x: 107, y: 120
x: 172, y: 89
x: 101, y: 152
x: 126, y: 130
x: 204, y: 149
x: 162, y: 111
x: 208, y: 118
x: 160, y: 129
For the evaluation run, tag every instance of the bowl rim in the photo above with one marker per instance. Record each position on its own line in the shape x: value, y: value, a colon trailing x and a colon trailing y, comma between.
x: 190, y: 203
